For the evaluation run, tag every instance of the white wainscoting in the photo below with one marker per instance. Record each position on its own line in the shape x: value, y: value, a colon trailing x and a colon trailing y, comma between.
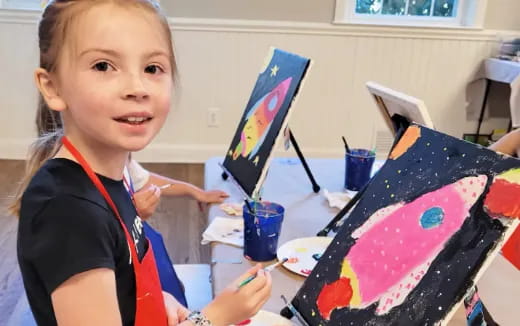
x: 219, y: 61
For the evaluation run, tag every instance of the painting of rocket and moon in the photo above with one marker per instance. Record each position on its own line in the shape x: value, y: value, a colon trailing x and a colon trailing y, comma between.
x: 428, y: 222
x: 266, y: 114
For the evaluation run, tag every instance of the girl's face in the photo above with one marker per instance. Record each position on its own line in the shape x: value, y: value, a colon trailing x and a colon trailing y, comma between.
x: 115, y: 78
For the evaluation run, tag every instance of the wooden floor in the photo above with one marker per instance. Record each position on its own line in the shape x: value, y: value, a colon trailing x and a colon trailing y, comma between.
x: 178, y: 219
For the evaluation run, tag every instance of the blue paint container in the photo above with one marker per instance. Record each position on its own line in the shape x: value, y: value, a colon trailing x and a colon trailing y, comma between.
x: 358, y: 165
x: 261, y: 230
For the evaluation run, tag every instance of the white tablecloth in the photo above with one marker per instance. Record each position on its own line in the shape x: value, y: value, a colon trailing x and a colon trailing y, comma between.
x: 494, y: 70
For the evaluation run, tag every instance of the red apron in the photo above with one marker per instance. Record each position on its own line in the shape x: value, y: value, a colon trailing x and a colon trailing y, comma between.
x: 149, y: 298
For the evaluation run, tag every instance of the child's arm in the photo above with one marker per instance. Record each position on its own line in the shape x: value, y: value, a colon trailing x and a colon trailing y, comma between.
x: 147, y: 190
x: 508, y: 144
x: 235, y: 303
x: 144, y: 180
x: 87, y: 298
x: 179, y: 188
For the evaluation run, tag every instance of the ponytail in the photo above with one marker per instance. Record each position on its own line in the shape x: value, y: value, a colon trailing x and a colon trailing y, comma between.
x: 47, y: 120
x: 50, y: 132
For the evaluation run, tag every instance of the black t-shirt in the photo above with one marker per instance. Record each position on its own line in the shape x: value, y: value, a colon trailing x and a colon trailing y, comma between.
x: 66, y: 227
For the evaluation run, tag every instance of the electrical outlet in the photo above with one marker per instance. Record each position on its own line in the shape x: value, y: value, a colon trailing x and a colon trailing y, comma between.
x: 213, y: 117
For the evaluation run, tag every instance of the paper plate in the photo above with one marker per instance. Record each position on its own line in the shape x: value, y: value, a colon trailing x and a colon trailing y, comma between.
x: 303, y: 253
x: 266, y: 318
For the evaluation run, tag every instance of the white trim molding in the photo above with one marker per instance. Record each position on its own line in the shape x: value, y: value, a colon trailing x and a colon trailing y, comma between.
x: 8, y: 16
x: 199, y: 153
x: 307, y: 28
x: 21, y: 4
x: 19, y: 16
x: 17, y: 149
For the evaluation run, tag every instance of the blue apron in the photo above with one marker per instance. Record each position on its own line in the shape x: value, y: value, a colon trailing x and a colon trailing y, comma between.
x: 169, y: 280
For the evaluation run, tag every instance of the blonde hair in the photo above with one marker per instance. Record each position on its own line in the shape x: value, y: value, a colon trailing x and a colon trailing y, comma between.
x: 53, y: 31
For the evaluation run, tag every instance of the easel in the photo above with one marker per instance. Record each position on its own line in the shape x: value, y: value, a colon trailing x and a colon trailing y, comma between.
x: 498, y: 71
x: 315, y: 187
x: 481, y: 115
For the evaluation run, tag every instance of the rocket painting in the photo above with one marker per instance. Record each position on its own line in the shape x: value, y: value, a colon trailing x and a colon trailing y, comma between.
x: 259, y: 120
x: 413, y: 244
x: 266, y: 114
x: 384, y: 266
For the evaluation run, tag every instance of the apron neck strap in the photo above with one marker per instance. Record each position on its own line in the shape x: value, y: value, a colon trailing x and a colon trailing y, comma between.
x: 99, y: 185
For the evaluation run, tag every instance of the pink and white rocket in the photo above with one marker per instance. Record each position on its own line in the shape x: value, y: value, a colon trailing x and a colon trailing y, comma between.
x: 395, y: 247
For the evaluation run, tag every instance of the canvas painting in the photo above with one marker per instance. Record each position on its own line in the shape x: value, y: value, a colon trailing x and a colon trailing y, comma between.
x: 424, y: 231
x: 264, y: 118
x: 391, y: 102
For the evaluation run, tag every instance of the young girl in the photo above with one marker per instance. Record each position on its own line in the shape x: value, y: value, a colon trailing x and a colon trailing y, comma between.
x: 107, y: 66
x: 144, y: 188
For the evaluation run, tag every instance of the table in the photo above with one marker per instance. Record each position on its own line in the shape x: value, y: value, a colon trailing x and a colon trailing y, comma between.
x: 306, y: 213
x: 494, y: 70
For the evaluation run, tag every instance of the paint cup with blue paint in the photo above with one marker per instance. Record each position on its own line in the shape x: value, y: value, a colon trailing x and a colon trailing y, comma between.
x: 262, y: 226
x: 358, y: 166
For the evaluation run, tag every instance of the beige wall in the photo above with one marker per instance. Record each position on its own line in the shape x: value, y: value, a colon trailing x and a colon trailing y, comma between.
x: 218, y: 64
x: 292, y: 10
x: 500, y: 14
x: 503, y: 14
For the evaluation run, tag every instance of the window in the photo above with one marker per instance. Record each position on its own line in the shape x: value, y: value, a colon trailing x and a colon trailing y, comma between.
x: 21, y: 4
x: 442, y: 13
x: 427, y: 8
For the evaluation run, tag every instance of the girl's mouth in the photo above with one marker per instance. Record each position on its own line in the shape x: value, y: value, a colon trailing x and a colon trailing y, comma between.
x: 133, y: 120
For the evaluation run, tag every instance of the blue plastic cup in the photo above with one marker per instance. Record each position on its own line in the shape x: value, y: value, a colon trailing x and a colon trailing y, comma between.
x: 262, y: 229
x: 358, y: 165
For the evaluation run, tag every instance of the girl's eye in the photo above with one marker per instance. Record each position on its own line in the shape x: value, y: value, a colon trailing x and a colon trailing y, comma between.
x: 102, y: 66
x: 153, y: 69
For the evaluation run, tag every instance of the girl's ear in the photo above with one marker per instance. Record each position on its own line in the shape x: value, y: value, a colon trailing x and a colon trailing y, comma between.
x: 49, y: 90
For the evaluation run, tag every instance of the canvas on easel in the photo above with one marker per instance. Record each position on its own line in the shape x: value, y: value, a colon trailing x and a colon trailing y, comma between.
x: 427, y: 226
x: 392, y: 103
x: 266, y: 115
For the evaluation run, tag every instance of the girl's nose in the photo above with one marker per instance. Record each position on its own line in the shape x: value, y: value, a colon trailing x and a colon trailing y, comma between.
x: 135, y: 89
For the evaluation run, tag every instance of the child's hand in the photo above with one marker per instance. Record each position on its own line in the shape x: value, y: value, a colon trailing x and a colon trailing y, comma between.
x: 235, y: 304
x: 211, y: 196
x: 175, y: 311
x: 146, y: 201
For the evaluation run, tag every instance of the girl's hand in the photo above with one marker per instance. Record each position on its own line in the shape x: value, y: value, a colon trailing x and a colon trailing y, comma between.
x: 235, y: 304
x: 146, y: 201
x: 175, y: 311
x: 211, y: 196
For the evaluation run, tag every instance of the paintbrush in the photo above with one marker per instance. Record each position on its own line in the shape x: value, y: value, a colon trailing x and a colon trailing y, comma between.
x: 273, y: 266
x: 166, y: 186
x: 346, y: 145
x: 266, y: 269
